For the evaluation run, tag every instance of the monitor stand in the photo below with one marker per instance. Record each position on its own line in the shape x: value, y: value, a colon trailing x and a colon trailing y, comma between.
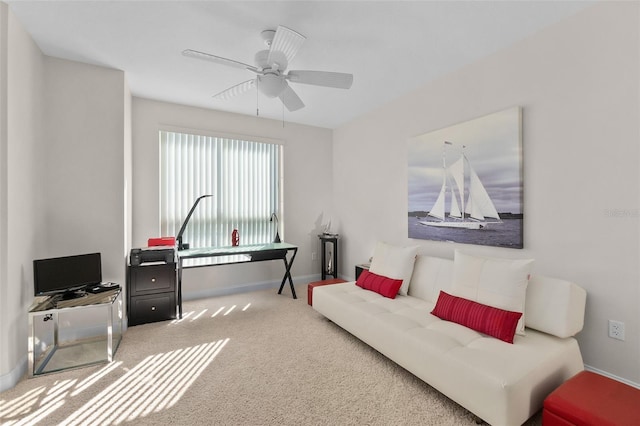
x: 73, y: 294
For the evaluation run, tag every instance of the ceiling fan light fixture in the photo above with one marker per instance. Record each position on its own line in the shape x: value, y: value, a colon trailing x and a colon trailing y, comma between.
x: 271, y: 85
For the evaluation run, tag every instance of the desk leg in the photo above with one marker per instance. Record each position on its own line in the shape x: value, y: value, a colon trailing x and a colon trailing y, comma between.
x: 179, y: 279
x: 287, y: 274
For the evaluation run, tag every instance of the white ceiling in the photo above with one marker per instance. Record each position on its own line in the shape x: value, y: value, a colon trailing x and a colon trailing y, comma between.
x: 391, y: 47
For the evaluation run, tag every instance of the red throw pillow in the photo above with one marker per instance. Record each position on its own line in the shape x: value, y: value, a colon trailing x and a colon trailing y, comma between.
x: 387, y: 287
x: 495, y: 322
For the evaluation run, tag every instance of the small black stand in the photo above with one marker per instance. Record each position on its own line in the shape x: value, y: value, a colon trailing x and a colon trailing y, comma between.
x: 332, y: 267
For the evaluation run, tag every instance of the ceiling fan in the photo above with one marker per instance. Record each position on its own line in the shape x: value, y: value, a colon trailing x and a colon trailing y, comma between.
x: 271, y: 77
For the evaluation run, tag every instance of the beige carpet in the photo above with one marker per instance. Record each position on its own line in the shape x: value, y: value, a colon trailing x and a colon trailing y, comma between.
x: 247, y: 359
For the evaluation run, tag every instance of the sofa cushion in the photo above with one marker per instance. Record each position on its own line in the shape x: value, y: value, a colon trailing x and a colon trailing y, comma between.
x: 492, y: 321
x: 501, y: 283
x: 555, y: 306
x: 387, y: 287
x: 430, y: 276
x: 394, y: 262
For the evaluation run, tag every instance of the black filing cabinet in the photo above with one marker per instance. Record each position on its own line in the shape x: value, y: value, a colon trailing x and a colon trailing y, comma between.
x: 151, y: 293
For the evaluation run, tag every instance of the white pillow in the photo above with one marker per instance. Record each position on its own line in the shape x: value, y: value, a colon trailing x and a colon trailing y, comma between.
x: 394, y: 262
x: 501, y: 283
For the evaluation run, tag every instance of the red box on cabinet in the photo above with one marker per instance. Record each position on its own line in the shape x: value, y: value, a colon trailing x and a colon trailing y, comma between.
x: 161, y: 241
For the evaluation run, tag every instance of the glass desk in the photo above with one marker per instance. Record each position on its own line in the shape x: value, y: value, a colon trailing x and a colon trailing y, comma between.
x: 74, y: 333
x: 212, y: 256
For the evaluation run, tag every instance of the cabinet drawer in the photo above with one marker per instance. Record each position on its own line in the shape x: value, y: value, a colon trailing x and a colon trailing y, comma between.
x: 152, y: 279
x: 151, y: 308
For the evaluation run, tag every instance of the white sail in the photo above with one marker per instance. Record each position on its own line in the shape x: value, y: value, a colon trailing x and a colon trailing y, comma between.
x: 455, y: 209
x: 456, y: 170
x: 438, y: 208
x: 473, y: 210
x: 480, y: 204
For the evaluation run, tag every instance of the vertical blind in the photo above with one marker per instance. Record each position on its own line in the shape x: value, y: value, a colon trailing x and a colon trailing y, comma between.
x: 243, y: 176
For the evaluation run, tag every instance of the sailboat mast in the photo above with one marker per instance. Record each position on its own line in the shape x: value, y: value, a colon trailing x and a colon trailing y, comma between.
x: 444, y: 162
x: 463, y: 175
x: 444, y: 175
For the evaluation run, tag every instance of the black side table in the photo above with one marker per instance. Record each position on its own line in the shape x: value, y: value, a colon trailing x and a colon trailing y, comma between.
x: 361, y: 267
x: 330, y: 268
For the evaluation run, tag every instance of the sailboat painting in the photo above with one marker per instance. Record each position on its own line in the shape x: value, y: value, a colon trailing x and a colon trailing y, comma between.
x: 465, y: 182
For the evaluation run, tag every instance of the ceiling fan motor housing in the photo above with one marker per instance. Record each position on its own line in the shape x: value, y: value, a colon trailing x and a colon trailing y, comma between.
x: 274, y: 60
x: 260, y: 59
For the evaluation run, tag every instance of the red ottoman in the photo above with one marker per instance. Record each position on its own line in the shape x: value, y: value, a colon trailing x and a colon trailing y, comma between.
x: 591, y: 399
x: 318, y: 284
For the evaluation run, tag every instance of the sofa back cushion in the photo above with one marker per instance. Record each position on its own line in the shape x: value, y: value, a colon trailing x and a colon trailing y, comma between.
x: 497, y: 282
x: 430, y: 276
x: 555, y: 306
x: 394, y: 262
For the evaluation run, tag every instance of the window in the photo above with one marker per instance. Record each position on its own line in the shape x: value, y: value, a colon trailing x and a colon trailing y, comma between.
x: 243, y: 176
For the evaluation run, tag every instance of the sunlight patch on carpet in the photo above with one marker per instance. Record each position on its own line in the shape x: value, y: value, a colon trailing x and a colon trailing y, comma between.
x: 83, y: 385
x: 155, y: 384
x: 217, y: 312
x: 21, y: 405
x: 199, y: 315
x: 222, y: 310
x: 47, y: 401
x: 185, y: 316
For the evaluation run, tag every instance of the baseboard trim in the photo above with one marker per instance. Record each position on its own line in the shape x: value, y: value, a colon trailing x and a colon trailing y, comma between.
x: 612, y: 376
x: 9, y: 380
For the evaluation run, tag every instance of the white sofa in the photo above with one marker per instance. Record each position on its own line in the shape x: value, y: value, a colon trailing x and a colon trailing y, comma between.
x: 501, y: 383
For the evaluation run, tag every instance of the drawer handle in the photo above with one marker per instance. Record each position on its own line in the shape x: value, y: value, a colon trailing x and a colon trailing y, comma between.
x: 153, y: 308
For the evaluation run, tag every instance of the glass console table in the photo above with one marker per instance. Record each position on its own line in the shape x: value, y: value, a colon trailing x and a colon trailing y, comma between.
x: 74, y: 333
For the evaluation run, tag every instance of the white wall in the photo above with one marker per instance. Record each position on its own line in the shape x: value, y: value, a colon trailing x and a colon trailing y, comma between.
x: 66, y: 156
x: 21, y: 85
x: 84, y: 164
x: 578, y: 84
x: 307, y: 189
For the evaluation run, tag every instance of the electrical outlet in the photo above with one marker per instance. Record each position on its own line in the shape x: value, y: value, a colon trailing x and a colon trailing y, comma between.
x: 314, y: 256
x: 616, y: 329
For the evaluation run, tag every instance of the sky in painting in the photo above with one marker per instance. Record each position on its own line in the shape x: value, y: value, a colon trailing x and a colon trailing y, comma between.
x: 492, y: 146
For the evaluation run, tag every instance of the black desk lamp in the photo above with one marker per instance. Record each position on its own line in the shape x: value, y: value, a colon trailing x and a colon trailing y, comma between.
x: 184, y: 224
x: 277, y: 237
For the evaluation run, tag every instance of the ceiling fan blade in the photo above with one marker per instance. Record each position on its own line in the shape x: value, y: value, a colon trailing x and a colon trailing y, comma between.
x: 286, y: 42
x: 290, y: 99
x: 338, y: 80
x: 218, y: 60
x: 235, y: 90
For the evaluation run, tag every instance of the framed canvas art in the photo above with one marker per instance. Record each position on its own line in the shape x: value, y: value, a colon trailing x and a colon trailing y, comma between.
x: 465, y: 182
